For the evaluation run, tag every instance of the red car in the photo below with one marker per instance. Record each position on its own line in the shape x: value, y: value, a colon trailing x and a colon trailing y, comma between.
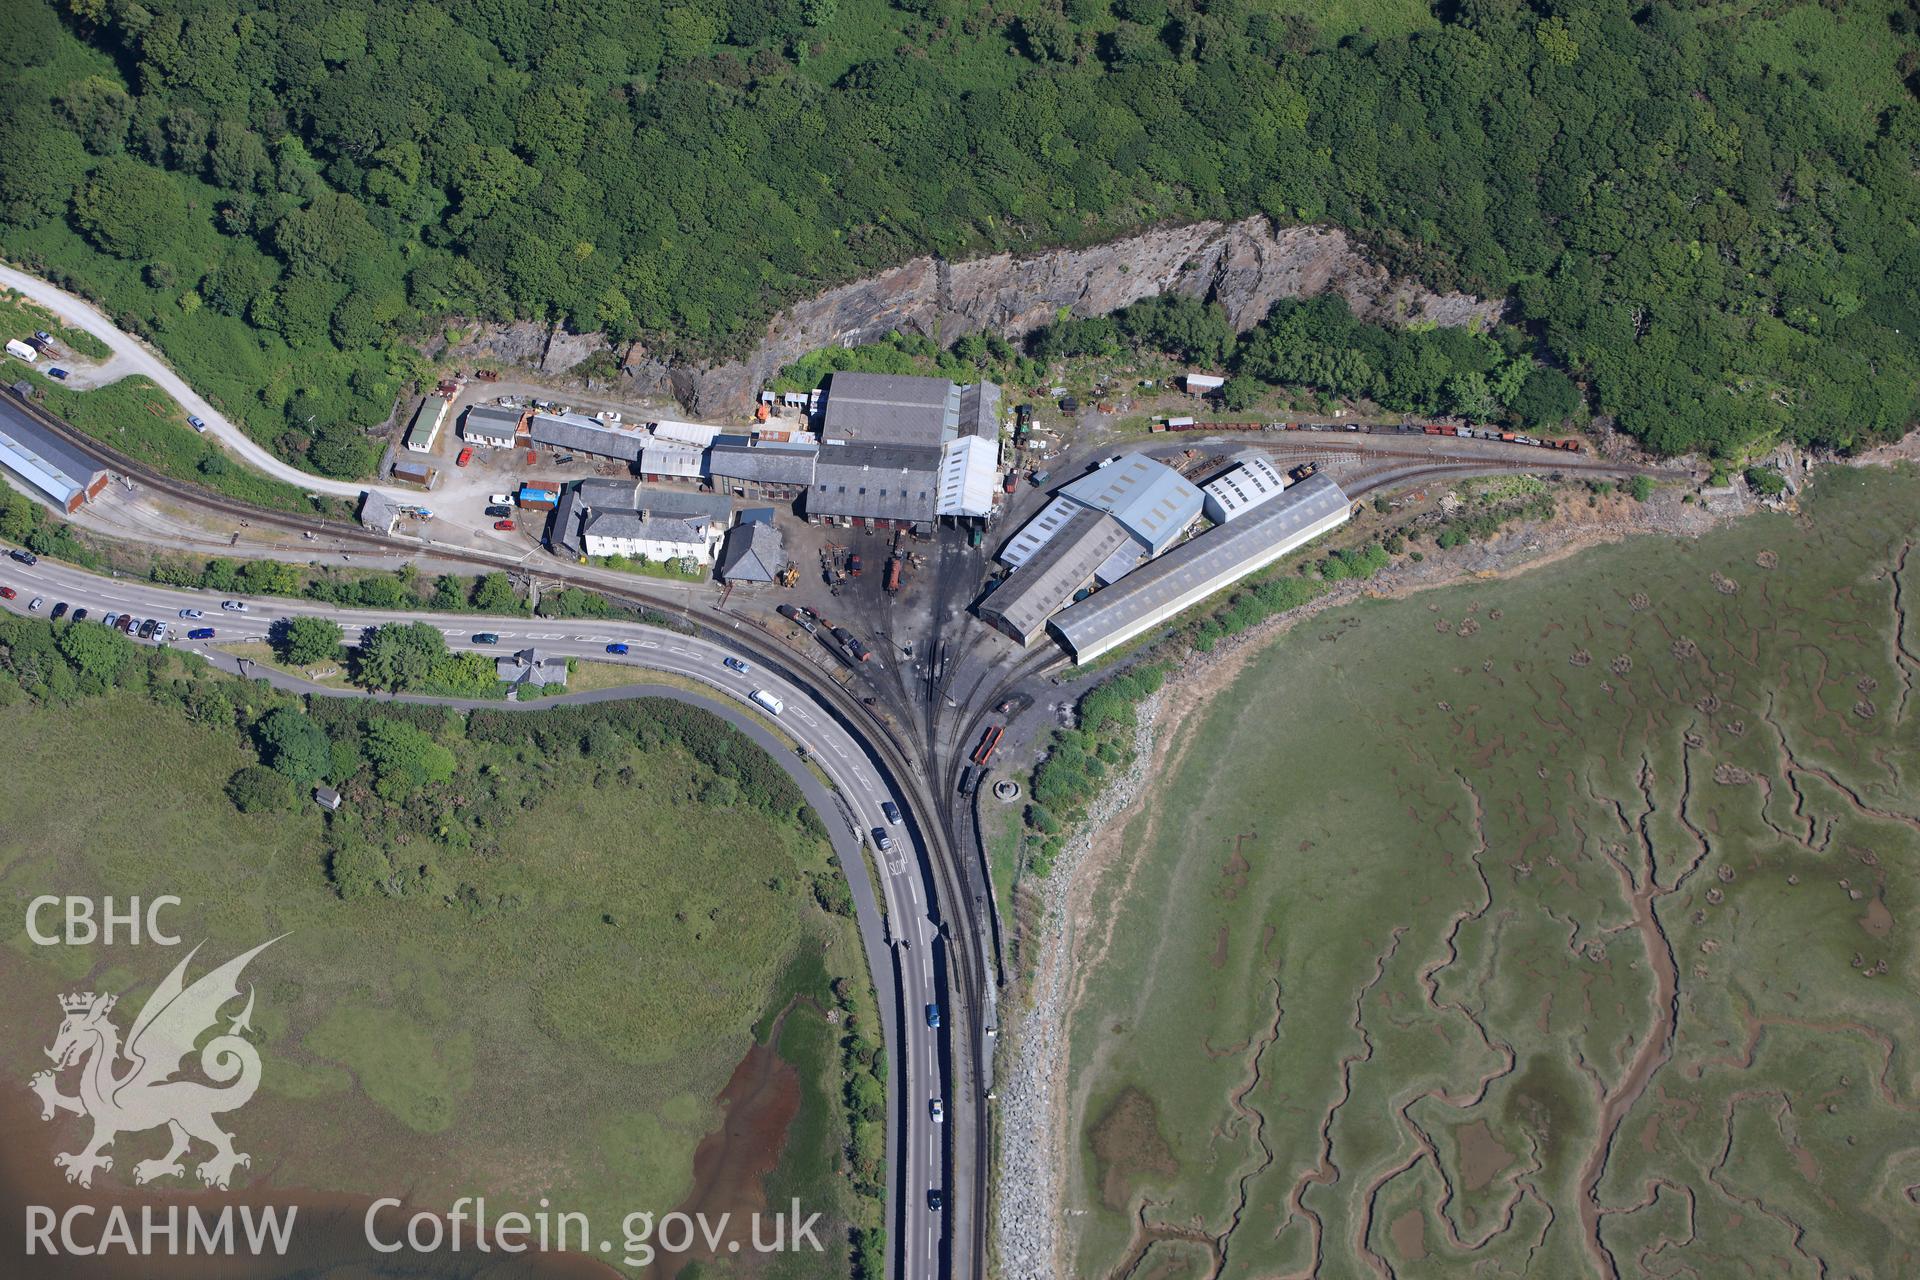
x: 504, y: 526
x: 466, y: 456
x: 7, y: 593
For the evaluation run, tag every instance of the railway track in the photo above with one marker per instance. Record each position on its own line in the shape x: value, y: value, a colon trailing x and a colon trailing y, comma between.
x: 961, y: 884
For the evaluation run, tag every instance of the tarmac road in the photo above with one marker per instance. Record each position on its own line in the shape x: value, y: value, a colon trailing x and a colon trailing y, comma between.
x: 901, y: 951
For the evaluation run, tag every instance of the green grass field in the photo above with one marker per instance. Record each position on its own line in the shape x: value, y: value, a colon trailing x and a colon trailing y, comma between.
x: 564, y: 1031
x: 1532, y: 928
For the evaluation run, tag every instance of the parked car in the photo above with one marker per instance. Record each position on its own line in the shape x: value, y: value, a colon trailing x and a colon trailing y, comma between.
x: 499, y: 511
x: 80, y: 615
x: 466, y: 456
x: 234, y: 606
x: 35, y: 603
x: 200, y: 633
x: 24, y: 557
x: 198, y: 424
x: 504, y: 526
x: 892, y: 811
x: 43, y: 335
x: 192, y: 613
x: 486, y: 637
x: 7, y: 593
x: 933, y: 1015
x: 59, y: 375
x: 853, y: 565
x: 500, y: 499
x: 111, y: 620
x: 147, y: 629
x: 160, y: 629
x: 882, y: 841
x: 616, y: 648
x: 734, y: 664
x: 938, y: 1111
x: 59, y: 610
x: 128, y: 622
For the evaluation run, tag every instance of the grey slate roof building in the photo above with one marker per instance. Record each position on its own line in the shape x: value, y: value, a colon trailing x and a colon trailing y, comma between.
x: 594, y: 498
x: 888, y: 408
x: 1021, y: 605
x: 531, y: 667
x: 589, y: 435
x: 563, y: 535
x: 753, y: 552
x: 876, y: 482
x: 943, y: 437
x: 782, y: 466
x: 1197, y: 568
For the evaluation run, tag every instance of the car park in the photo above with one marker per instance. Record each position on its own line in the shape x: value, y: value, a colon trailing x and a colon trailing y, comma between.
x: 35, y: 603
x: 933, y: 1015
x: 198, y: 424
x: 498, y: 510
x: 892, y: 811
x: 938, y: 1111
x: 80, y: 615
x: 58, y: 375
x: 504, y: 526
x: 24, y: 557
x: 881, y: 840
x: 234, y: 606
x: 734, y: 664
x: 486, y: 637
x: 192, y: 613
x: 200, y: 633
x: 616, y: 648
x: 466, y: 456
x: 59, y: 610
x: 7, y: 593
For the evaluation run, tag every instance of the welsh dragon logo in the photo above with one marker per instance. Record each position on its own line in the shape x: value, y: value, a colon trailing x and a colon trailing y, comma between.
x: 126, y: 1089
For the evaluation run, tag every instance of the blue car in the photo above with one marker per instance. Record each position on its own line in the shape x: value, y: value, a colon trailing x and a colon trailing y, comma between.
x: 933, y: 1015
x: 61, y: 374
x: 200, y: 633
x: 616, y: 648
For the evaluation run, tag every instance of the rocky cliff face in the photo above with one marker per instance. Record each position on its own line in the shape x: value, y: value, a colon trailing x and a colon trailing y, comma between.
x: 1245, y: 266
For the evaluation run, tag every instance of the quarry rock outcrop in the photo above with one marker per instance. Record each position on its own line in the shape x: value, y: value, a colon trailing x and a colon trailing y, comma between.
x: 1245, y: 266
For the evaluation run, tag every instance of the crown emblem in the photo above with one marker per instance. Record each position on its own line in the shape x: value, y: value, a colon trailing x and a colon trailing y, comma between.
x: 78, y: 1002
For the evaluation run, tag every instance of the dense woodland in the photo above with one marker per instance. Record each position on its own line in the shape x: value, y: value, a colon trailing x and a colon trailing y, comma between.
x: 1705, y: 213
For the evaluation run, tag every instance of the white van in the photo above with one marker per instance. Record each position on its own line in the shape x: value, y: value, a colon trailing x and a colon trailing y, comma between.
x: 767, y: 701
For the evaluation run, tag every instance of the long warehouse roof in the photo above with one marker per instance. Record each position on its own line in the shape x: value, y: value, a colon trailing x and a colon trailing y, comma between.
x: 44, y: 460
x: 1200, y: 566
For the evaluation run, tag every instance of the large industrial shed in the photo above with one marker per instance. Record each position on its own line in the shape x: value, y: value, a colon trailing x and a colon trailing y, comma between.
x: 48, y: 463
x: 1153, y: 501
x: 938, y: 441
x: 1191, y: 572
x: 1021, y: 605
